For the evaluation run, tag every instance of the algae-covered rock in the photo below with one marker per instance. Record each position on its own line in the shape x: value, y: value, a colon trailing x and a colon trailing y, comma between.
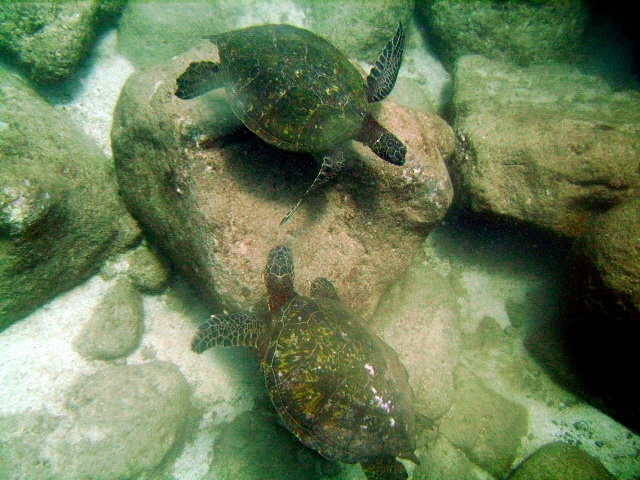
x: 117, y: 423
x: 522, y: 32
x: 597, y: 332
x: 418, y: 317
x: 211, y: 194
x: 560, y: 461
x: 49, y: 39
x: 60, y: 213
x: 547, y: 145
x: 443, y: 461
x: 253, y: 447
x: 487, y: 427
x: 123, y: 421
x: 147, y: 270
x: 116, y: 325
x: 21, y: 438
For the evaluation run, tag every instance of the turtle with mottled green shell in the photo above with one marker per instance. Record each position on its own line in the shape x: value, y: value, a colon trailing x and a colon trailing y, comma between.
x: 298, y: 92
x: 339, y: 388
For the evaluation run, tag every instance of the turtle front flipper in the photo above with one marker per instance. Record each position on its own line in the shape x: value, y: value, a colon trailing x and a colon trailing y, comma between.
x: 332, y: 165
x: 383, y: 74
x: 198, y: 79
x: 229, y: 330
x: 384, y: 468
x: 382, y: 142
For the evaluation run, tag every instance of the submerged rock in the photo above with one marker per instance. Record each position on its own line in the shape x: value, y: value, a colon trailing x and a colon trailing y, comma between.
x: 115, y: 327
x: 148, y: 270
x: 145, y: 267
x: 60, y: 213
x: 211, y: 194
x: 592, y: 345
x: 418, y: 317
x: 546, y: 145
x: 560, y: 461
x: 523, y: 33
x: 253, y: 447
x: 487, y: 427
x: 122, y: 422
x: 49, y: 39
x: 118, y: 423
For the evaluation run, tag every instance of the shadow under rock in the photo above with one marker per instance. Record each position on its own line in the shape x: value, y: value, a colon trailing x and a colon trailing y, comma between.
x: 275, y: 175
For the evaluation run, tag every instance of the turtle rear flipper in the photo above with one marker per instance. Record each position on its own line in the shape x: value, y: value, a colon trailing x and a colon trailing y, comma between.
x: 384, y: 468
x: 198, y: 79
x: 322, y: 287
x: 240, y: 329
x: 383, y: 74
x: 332, y: 165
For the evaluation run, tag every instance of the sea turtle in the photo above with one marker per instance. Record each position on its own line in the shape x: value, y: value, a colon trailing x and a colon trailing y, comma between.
x: 298, y: 92
x: 339, y: 388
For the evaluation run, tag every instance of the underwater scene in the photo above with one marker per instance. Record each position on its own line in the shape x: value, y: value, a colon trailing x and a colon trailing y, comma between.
x: 307, y: 240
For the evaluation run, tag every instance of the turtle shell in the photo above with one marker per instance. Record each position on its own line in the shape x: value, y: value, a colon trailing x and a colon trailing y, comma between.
x: 340, y: 389
x: 291, y: 87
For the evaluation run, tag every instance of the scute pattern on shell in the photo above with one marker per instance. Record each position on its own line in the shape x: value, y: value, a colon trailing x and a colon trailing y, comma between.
x: 291, y: 87
x: 336, y: 385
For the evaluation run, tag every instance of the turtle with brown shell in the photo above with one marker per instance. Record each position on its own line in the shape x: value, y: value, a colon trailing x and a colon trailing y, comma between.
x: 338, y: 387
x: 298, y: 92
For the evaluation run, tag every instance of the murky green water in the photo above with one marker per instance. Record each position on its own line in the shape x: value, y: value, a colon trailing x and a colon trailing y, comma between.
x: 98, y: 380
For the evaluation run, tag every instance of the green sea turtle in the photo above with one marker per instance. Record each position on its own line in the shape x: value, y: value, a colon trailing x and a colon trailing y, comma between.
x: 298, y: 92
x: 339, y: 388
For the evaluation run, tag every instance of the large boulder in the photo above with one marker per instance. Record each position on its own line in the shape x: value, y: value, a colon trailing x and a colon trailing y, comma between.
x: 560, y: 461
x: 523, y: 32
x: 211, y: 193
x: 60, y: 213
x: 546, y: 145
x: 117, y: 423
x: 49, y: 39
x: 418, y: 316
x: 254, y: 445
x: 487, y: 427
x: 592, y: 345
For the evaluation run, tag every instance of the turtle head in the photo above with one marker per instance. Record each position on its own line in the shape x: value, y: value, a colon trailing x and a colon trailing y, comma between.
x: 278, y: 277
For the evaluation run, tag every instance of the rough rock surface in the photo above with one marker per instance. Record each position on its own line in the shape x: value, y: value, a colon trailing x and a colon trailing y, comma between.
x: 592, y: 345
x: 418, y: 317
x: 606, y: 261
x: 269, y: 451
x: 211, y: 193
x: 154, y: 32
x: 144, y: 266
x: 444, y: 461
x: 49, y: 39
x: 528, y: 32
x: 148, y: 270
x: 60, y: 213
x: 486, y: 426
x: 115, y: 328
x: 119, y: 423
x: 546, y: 145
x: 560, y: 461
